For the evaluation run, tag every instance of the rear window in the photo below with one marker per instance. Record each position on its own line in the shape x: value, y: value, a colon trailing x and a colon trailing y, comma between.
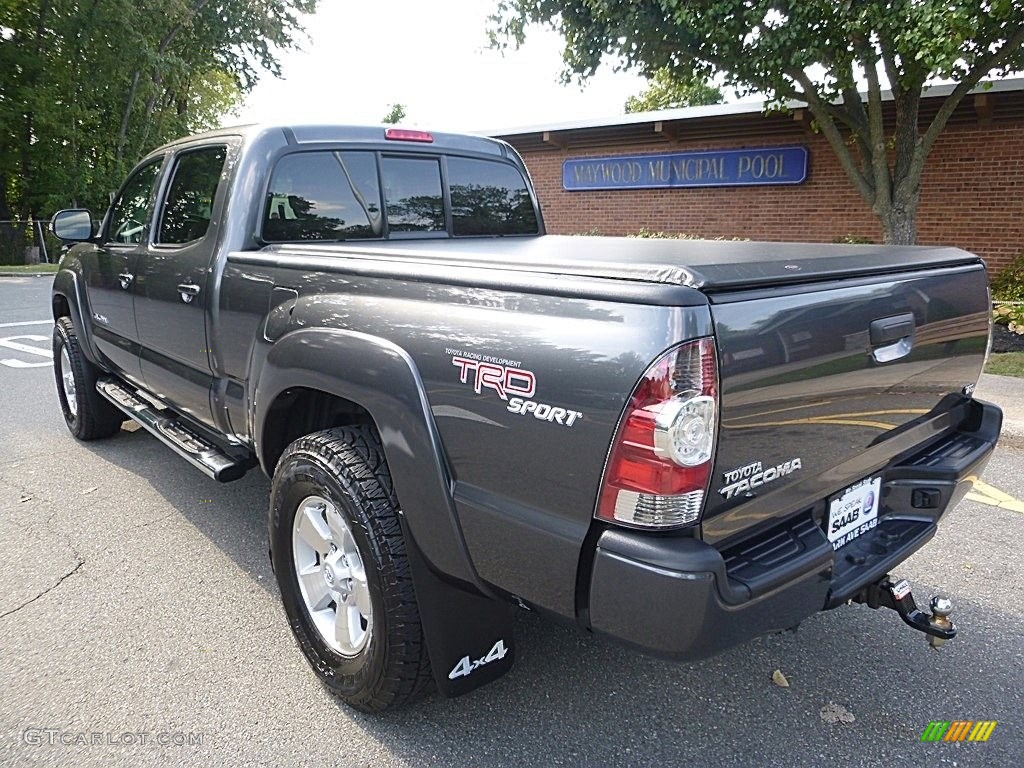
x: 489, y: 199
x: 412, y: 189
x: 324, y: 196
x: 339, y: 195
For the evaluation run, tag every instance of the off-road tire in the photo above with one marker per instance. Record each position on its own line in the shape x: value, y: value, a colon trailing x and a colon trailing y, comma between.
x: 346, y: 466
x: 95, y: 418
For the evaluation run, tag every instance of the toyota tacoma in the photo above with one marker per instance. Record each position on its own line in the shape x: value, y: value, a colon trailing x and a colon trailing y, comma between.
x: 679, y: 445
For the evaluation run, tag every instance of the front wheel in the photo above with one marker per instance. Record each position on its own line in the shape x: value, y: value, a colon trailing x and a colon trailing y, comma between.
x: 340, y: 560
x: 87, y: 414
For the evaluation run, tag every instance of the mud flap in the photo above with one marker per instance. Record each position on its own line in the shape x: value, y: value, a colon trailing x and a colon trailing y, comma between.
x: 469, y: 635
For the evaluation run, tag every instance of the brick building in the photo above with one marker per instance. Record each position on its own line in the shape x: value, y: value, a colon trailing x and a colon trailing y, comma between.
x: 972, y: 196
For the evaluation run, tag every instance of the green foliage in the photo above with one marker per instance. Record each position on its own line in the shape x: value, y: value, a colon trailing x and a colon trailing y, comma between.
x: 88, y: 86
x: 1008, y: 285
x: 396, y: 114
x: 853, y: 240
x: 814, y: 51
x: 667, y: 90
x: 1010, y: 315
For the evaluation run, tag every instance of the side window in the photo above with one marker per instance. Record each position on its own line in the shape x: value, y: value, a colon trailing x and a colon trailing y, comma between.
x: 323, y: 196
x: 130, y: 213
x: 489, y: 199
x: 189, y: 204
x: 412, y: 191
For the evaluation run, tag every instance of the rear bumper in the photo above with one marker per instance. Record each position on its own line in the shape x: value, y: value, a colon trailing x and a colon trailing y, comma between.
x: 683, y: 599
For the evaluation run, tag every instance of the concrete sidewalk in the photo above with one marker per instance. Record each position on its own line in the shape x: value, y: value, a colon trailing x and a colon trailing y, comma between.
x: 1008, y: 393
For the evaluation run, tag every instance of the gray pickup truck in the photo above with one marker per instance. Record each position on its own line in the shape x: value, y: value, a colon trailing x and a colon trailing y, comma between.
x: 679, y: 445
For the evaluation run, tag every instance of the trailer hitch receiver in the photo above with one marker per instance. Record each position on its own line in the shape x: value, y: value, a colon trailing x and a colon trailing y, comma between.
x: 888, y: 593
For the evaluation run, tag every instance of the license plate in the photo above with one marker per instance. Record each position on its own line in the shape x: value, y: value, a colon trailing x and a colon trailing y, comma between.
x: 853, y: 512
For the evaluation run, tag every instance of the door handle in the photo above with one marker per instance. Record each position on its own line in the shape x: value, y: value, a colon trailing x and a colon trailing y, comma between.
x: 188, y: 291
x: 125, y: 279
x: 892, y: 337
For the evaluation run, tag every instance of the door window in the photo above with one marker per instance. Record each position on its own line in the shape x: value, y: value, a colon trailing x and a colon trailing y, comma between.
x: 323, y: 196
x: 189, y: 204
x: 489, y: 199
x: 130, y: 213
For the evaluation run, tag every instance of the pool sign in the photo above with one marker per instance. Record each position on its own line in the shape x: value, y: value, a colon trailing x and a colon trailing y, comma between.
x: 723, y: 168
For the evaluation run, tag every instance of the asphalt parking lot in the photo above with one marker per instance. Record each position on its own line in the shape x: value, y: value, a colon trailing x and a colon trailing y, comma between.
x: 137, y: 604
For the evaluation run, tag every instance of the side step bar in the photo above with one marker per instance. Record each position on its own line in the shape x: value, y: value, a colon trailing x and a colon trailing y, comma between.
x: 200, y: 453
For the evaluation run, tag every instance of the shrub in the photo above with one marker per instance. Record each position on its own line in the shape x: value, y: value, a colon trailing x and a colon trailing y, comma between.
x: 1010, y: 315
x: 854, y: 240
x: 1008, y: 285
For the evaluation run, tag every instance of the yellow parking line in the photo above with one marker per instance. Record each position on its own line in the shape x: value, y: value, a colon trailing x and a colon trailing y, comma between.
x: 917, y: 411
x: 841, y: 419
x: 984, y: 493
x: 780, y: 410
x: 824, y: 420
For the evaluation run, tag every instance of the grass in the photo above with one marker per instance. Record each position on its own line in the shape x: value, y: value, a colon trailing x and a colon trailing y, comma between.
x: 29, y: 269
x: 1006, y: 364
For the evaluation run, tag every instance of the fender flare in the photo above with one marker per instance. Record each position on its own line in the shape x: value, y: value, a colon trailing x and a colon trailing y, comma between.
x: 66, y: 284
x: 382, y: 378
x: 464, y: 622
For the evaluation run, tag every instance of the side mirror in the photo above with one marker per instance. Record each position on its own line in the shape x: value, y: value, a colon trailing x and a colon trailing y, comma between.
x: 73, y: 225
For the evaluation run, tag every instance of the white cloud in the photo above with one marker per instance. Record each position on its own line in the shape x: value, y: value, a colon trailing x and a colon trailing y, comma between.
x: 434, y: 59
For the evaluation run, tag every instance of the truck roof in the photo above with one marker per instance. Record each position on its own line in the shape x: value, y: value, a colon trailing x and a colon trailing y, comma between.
x: 359, y: 134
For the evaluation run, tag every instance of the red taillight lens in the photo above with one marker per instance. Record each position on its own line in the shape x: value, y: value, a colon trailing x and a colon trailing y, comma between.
x: 660, y: 463
x: 405, y: 134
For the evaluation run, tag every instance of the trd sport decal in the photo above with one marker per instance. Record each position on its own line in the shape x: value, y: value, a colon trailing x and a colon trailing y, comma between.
x: 512, y: 383
x: 502, y: 379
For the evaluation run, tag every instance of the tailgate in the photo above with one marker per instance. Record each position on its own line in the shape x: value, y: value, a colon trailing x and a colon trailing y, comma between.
x: 823, y: 384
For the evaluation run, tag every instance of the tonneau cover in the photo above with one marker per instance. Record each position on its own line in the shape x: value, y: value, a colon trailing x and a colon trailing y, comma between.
x: 710, y: 265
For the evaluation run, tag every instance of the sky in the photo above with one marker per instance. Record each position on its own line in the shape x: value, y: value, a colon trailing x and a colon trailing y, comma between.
x: 434, y: 58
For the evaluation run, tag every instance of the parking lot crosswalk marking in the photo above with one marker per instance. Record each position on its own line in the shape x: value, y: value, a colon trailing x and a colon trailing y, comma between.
x: 15, y: 343
x: 26, y: 322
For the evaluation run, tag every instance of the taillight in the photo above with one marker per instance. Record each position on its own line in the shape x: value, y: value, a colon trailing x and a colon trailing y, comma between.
x: 660, y: 463
x: 407, y: 134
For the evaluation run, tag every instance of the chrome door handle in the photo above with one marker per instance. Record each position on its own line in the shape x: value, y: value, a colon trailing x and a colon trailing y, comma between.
x: 892, y: 337
x: 188, y: 291
x: 125, y: 279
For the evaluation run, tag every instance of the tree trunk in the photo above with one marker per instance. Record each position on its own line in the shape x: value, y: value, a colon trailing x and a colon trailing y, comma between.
x: 11, y: 242
x: 899, y: 227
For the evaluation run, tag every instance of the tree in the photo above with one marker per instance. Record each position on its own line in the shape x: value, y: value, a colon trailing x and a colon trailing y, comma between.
x: 820, y: 52
x: 396, y: 114
x: 88, y: 86
x: 666, y: 91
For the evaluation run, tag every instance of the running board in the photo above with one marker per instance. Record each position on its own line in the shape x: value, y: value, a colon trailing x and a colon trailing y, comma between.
x: 200, y: 453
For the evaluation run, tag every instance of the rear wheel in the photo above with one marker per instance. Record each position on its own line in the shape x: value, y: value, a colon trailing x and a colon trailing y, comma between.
x: 340, y: 561
x: 87, y: 414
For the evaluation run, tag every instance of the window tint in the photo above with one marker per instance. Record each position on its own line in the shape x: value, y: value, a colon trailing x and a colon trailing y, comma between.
x: 489, y: 199
x: 323, y: 196
x: 189, y: 204
x: 130, y: 214
x: 412, y: 189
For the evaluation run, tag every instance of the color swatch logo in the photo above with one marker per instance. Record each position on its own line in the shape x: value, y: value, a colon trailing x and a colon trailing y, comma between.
x: 958, y: 730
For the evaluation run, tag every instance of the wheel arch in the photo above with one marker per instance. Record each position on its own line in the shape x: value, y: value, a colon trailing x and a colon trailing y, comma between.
x: 317, y: 378
x: 66, y: 300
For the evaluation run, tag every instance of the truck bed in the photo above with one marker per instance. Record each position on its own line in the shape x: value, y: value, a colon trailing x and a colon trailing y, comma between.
x: 709, y: 265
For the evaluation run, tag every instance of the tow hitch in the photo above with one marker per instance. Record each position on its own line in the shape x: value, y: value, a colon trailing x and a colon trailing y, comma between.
x: 897, y: 595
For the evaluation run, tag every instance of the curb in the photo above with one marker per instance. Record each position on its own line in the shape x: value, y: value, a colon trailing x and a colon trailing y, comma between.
x: 1012, y: 435
x: 26, y: 274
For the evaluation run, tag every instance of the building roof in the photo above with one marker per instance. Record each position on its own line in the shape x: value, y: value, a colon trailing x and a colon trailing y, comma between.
x: 733, y: 118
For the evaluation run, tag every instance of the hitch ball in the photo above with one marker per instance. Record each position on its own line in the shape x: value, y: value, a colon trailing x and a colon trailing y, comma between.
x: 941, y: 608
